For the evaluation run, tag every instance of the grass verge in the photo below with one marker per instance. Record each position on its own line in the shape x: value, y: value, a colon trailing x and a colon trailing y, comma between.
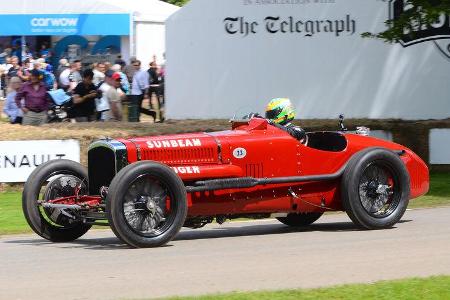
x: 439, y: 194
x: 12, y: 220
x: 437, y: 287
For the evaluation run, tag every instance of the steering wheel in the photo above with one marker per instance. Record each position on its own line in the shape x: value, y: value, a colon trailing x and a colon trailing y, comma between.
x: 251, y: 116
x: 305, y: 140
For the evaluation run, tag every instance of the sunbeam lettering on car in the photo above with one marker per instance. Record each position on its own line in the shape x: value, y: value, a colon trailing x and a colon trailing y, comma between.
x: 181, y: 143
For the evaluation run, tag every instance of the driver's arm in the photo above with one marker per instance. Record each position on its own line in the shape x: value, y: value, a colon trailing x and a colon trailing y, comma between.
x: 295, y: 131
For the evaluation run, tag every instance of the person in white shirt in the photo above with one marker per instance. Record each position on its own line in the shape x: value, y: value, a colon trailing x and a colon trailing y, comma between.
x: 99, y: 73
x: 110, y: 105
x: 102, y: 103
x: 139, y: 90
x: 115, y: 112
x: 70, y: 78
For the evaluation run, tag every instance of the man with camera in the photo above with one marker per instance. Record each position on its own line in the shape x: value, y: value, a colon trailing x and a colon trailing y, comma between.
x: 84, y: 96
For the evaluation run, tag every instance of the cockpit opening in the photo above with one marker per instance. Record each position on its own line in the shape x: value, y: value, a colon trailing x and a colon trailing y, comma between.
x: 327, y: 141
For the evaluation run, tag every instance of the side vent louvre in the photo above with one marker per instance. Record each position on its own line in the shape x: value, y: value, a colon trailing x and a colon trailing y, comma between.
x: 199, y: 155
x: 254, y: 170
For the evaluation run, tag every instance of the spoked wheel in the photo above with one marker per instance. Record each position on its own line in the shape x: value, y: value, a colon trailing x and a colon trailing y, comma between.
x: 146, y: 204
x: 375, y: 188
x: 49, y: 181
x: 63, y: 185
x: 147, y: 207
x: 300, y: 219
x: 379, y: 190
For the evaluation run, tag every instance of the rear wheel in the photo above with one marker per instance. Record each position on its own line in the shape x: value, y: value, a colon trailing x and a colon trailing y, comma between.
x: 375, y: 188
x: 49, y: 181
x: 146, y: 204
x: 300, y: 219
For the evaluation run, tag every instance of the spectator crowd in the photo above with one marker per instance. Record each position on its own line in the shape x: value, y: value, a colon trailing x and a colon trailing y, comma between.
x: 102, y: 92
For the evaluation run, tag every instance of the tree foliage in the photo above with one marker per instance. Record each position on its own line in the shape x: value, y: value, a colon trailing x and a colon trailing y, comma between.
x: 177, y: 2
x: 418, y: 14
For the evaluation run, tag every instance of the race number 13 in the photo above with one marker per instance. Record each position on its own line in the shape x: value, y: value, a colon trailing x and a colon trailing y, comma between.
x: 239, y: 153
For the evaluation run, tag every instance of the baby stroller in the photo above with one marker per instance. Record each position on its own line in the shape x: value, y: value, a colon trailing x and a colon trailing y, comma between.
x: 59, y: 110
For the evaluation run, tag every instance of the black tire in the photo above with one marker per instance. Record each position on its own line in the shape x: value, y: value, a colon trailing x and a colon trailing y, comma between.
x: 36, y: 217
x: 300, y: 219
x: 375, y: 188
x: 138, y: 181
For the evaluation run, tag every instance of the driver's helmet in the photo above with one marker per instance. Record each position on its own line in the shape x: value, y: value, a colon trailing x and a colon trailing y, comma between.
x: 280, y: 111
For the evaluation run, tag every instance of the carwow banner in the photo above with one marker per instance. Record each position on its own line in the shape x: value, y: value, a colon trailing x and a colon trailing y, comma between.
x: 19, y: 158
x: 65, y: 24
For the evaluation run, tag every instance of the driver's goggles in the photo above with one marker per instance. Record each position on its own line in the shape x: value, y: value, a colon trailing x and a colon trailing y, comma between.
x: 274, y: 113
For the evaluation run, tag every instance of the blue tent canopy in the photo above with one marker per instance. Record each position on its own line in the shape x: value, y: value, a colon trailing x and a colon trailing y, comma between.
x: 64, y: 17
x: 65, y: 24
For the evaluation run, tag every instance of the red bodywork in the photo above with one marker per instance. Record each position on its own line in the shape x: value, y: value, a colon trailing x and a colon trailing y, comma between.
x: 269, y: 152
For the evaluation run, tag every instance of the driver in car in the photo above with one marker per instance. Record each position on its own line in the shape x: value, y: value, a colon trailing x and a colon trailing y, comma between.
x: 280, y: 112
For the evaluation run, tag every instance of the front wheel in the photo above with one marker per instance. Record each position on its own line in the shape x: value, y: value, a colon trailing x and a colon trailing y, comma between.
x: 300, y: 219
x: 375, y: 188
x: 49, y: 181
x: 146, y: 204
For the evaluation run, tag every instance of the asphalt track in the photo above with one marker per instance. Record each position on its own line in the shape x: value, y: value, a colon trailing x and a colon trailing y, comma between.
x: 235, y: 256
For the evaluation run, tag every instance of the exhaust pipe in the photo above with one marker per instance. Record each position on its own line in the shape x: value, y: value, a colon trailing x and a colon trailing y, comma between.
x: 61, y: 206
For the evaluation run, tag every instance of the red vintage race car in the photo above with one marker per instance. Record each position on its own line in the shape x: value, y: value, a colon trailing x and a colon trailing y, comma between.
x: 147, y: 188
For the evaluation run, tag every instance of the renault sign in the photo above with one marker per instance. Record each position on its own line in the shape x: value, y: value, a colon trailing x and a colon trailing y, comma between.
x: 19, y: 158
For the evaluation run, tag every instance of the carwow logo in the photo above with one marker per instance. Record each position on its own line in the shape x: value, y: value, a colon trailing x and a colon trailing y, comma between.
x: 54, y: 22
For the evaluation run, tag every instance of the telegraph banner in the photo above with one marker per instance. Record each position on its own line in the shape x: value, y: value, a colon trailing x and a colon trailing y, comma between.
x: 19, y: 158
x: 225, y: 56
x: 276, y: 24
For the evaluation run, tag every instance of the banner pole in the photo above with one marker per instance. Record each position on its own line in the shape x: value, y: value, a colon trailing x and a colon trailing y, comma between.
x: 23, y: 47
x: 132, y: 36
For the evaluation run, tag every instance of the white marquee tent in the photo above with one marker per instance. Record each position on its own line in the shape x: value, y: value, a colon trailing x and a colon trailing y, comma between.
x: 147, y: 32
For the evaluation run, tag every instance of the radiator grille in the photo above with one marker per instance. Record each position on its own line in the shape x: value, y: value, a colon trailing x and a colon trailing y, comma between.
x: 200, y: 155
x: 102, y: 168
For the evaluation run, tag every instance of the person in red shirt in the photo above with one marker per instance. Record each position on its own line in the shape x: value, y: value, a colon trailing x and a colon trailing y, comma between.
x: 33, y: 100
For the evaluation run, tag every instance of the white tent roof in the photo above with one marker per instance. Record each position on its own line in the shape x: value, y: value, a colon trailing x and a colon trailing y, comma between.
x: 146, y: 10
x: 142, y: 10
